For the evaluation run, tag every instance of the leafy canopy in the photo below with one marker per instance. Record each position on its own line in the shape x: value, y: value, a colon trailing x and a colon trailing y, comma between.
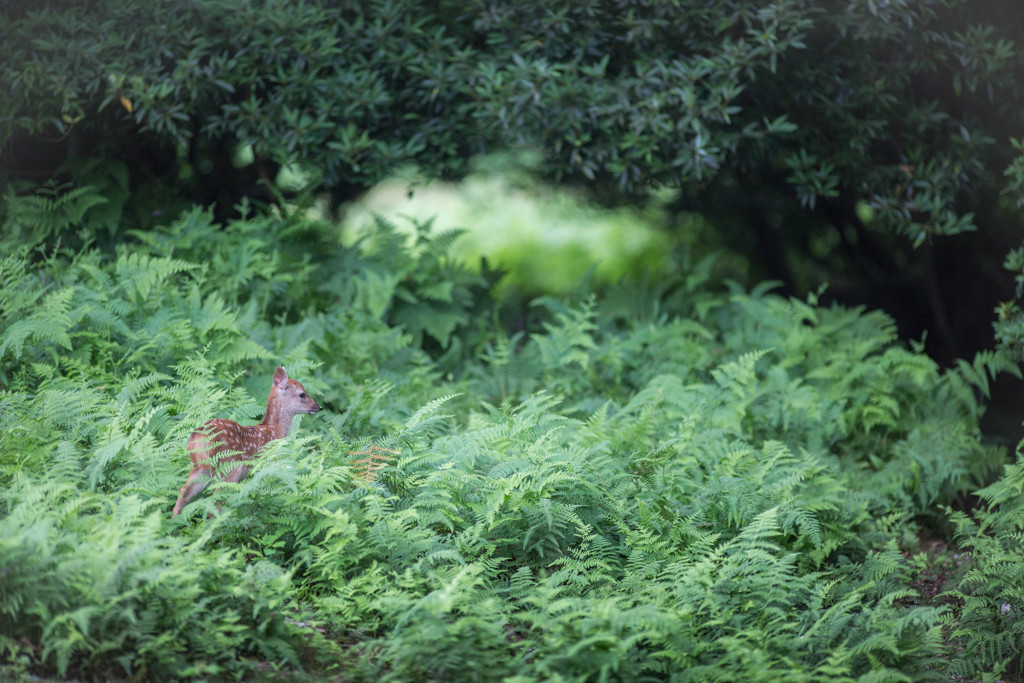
x: 895, y: 104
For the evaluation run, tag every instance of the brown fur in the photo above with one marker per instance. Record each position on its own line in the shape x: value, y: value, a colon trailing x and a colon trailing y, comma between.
x: 222, y: 441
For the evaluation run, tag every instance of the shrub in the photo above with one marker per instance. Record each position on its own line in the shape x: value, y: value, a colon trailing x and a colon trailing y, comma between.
x: 725, y: 489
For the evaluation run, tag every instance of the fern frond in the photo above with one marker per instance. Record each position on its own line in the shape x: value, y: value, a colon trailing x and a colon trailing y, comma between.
x: 137, y: 274
x: 53, y: 208
x: 50, y: 323
x: 375, y: 458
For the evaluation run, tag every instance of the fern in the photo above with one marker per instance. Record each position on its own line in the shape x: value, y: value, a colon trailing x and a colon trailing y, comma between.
x: 715, y: 486
x: 989, y: 628
x: 137, y: 275
x: 49, y: 323
x: 52, y: 209
x: 372, y: 460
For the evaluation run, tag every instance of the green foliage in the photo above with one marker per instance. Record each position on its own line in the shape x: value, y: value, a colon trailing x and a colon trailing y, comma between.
x: 1009, y: 325
x: 95, y: 582
x: 875, y: 102
x: 821, y: 142
x: 52, y: 209
x: 422, y: 288
x: 990, y: 629
x: 691, y: 485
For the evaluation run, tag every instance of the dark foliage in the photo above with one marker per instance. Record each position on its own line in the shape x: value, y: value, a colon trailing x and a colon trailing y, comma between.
x: 824, y: 140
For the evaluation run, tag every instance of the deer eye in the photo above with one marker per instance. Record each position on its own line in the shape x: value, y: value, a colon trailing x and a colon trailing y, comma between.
x: 302, y: 395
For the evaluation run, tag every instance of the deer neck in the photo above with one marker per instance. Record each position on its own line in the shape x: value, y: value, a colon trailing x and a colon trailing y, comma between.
x: 276, y: 422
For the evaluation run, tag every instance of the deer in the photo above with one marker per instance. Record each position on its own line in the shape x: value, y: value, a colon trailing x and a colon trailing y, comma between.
x: 221, y: 441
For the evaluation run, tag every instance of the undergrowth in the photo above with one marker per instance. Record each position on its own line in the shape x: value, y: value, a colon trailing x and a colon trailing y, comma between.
x: 655, y: 482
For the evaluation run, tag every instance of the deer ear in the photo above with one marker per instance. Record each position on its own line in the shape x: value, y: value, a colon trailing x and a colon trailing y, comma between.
x: 280, y: 376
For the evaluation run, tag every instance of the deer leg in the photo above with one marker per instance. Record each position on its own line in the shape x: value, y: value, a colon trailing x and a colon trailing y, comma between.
x: 237, y: 474
x: 195, y: 483
x: 234, y: 476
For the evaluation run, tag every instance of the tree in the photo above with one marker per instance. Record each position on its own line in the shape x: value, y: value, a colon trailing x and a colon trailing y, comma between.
x: 839, y: 135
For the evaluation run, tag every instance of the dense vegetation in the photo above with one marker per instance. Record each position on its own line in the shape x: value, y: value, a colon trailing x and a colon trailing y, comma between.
x: 669, y: 478
x: 822, y: 139
x: 676, y: 481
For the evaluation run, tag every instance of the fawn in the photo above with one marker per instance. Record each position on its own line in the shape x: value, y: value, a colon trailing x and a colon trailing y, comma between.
x: 239, y: 444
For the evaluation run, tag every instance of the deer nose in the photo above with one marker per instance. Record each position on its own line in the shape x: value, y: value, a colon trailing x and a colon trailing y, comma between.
x: 315, y: 409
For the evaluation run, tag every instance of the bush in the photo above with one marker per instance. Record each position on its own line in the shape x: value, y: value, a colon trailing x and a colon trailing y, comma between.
x: 724, y: 488
x: 820, y: 141
x: 894, y: 105
x: 989, y: 630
